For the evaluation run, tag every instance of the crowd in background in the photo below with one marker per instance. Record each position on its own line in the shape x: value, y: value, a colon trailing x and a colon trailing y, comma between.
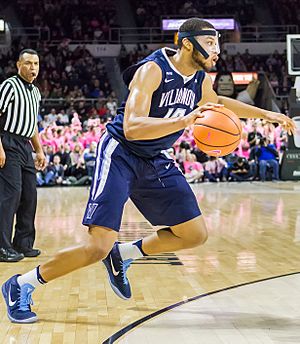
x: 69, y: 78
x: 92, y: 19
x: 77, y: 20
x: 148, y: 13
x: 64, y: 73
x: 285, y: 12
x: 70, y: 148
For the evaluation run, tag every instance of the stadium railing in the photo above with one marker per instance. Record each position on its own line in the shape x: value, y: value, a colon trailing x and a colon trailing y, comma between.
x: 133, y: 35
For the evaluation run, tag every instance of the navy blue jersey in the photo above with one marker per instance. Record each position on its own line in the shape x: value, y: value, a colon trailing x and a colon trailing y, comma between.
x: 177, y: 95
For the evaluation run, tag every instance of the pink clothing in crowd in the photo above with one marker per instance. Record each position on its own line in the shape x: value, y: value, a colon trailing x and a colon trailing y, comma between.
x: 192, y: 165
x: 76, y: 124
x: 244, y: 149
x: 214, y: 166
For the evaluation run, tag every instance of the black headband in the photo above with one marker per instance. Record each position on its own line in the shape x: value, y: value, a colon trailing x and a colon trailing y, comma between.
x: 185, y: 34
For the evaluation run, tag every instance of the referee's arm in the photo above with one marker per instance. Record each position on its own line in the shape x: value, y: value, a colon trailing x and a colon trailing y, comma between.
x: 6, y: 96
x: 2, y: 155
x: 40, y: 159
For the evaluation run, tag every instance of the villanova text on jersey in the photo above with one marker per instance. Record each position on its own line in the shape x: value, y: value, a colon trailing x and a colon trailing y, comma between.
x: 177, y: 95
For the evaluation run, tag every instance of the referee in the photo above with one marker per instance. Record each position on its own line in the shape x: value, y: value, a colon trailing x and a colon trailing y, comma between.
x: 19, y: 107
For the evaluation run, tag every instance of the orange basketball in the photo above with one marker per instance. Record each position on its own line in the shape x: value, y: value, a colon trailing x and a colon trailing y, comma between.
x: 218, y: 133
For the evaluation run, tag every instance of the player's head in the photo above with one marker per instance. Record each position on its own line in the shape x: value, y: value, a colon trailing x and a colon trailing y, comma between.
x: 28, y: 65
x: 201, y: 39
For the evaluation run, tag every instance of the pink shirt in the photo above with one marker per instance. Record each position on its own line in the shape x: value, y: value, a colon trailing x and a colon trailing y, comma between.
x: 192, y: 165
x: 244, y: 149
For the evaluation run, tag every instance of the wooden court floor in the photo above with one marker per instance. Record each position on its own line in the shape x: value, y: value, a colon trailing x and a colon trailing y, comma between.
x: 254, y: 233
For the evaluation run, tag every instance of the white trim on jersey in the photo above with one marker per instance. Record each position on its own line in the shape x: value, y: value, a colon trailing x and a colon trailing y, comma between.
x: 105, y: 166
x: 184, y: 77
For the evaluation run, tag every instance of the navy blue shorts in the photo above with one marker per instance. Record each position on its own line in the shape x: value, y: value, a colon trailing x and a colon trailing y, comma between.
x: 156, y: 186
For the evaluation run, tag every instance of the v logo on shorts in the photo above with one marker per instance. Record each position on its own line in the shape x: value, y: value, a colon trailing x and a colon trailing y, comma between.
x: 91, y: 209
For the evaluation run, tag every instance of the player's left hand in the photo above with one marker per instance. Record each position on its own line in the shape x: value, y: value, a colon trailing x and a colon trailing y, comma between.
x: 40, y: 161
x: 286, y: 122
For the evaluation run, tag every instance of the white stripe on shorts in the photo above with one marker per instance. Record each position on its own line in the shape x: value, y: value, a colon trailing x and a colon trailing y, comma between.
x: 112, y: 145
x: 98, y: 163
x: 166, y: 154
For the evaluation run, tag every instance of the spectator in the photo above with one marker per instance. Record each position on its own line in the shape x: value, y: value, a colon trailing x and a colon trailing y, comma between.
x: 53, y: 175
x: 267, y: 156
x: 240, y: 170
x: 112, y: 106
x: 254, y: 135
x: 193, y: 170
x: 65, y: 157
x: 244, y: 146
x: 90, y: 158
x: 48, y: 150
x: 215, y: 169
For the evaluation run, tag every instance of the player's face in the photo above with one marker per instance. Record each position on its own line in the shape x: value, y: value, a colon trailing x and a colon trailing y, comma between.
x: 28, y: 67
x: 211, y: 45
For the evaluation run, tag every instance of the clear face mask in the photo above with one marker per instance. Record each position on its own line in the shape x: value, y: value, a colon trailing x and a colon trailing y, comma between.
x: 209, y: 43
x: 205, y: 41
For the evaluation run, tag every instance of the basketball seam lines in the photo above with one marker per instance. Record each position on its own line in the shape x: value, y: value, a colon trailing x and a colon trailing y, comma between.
x: 205, y: 144
x: 216, y: 110
x: 224, y: 131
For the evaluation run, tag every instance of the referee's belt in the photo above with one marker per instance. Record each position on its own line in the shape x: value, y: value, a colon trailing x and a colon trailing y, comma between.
x: 3, y: 132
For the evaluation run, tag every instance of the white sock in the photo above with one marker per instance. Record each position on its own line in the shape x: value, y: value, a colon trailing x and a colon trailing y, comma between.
x: 130, y: 251
x: 30, y: 277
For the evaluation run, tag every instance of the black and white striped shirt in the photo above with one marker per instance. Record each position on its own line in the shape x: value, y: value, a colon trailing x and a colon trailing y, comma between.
x: 19, y: 107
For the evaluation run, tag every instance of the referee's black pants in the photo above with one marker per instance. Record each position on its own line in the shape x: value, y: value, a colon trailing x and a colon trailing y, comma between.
x: 17, y: 193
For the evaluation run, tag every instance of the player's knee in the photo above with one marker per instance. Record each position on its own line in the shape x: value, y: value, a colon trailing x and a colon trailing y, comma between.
x: 198, y: 237
x: 95, y: 253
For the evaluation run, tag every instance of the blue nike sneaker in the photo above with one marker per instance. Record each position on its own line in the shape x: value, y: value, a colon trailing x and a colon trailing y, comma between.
x: 116, y: 269
x: 18, y: 300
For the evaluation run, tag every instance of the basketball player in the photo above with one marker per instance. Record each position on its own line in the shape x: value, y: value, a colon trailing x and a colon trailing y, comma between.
x: 168, y: 91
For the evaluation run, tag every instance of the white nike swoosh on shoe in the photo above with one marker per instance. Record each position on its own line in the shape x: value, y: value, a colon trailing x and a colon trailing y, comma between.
x: 10, y: 302
x: 115, y: 273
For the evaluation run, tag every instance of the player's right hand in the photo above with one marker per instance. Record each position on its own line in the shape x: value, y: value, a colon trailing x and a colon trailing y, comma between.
x: 197, y: 113
x: 2, y: 157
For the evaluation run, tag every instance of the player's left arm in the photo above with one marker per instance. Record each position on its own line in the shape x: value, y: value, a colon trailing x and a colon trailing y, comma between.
x: 244, y: 110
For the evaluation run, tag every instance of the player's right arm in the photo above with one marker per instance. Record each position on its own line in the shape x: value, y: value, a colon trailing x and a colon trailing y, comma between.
x: 137, y: 123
